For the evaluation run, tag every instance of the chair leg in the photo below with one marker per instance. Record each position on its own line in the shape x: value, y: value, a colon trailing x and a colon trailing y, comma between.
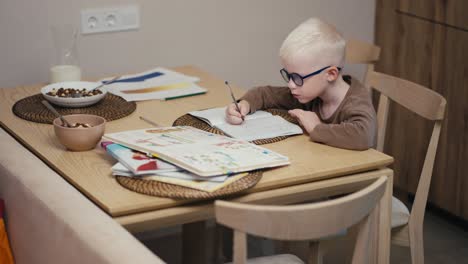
x: 194, y: 243
x: 240, y: 248
x: 416, y: 244
x: 315, y: 253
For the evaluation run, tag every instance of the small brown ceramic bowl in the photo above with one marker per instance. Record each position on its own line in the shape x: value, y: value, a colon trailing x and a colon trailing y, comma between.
x: 80, y: 138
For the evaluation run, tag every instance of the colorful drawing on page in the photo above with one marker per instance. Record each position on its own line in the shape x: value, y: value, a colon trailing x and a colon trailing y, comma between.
x: 163, y: 131
x: 215, y: 159
x: 136, y: 162
x: 236, y: 145
x: 164, y: 137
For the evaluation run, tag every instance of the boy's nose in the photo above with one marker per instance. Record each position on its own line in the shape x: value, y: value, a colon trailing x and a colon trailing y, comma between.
x: 292, y: 84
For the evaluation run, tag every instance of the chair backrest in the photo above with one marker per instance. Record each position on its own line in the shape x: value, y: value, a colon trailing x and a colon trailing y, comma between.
x: 305, y: 221
x: 422, y: 101
x: 360, y: 52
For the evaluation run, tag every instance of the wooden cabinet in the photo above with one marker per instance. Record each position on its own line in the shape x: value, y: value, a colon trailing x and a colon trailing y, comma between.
x: 427, y: 42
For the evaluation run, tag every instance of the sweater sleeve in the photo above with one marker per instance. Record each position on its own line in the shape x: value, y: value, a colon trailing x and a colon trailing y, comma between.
x: 270, y: 97
x: 357, y: 131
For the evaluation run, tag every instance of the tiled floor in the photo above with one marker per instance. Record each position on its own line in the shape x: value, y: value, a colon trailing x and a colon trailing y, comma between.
x: 445, y: 243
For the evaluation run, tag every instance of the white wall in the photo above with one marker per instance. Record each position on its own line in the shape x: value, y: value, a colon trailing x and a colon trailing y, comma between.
x: 235, y: 40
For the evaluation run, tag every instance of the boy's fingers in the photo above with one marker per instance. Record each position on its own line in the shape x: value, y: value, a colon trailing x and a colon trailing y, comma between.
x: 244, y: 110
x: 244, y: 107
x: 232, y: 110
x: 234, y: 120
x: 293, y: 112
x: 296, y: 112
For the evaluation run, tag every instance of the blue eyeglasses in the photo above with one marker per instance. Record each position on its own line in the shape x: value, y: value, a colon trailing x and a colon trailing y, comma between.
x: 298, y: 79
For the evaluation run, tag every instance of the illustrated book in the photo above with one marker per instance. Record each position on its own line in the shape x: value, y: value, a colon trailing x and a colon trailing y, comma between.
x: 200, y: 152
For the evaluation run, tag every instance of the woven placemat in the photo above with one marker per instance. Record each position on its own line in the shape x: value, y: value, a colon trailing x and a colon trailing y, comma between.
x: 111, y: 107
x: 189, y: 120
x: 155, y: 188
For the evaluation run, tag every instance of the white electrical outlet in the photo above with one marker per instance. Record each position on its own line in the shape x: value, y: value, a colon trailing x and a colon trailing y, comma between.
x: 110, y: 19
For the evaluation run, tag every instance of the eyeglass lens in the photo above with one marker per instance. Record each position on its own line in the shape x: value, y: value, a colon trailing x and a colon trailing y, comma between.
x: 285, y: 75
x: 297, y: 79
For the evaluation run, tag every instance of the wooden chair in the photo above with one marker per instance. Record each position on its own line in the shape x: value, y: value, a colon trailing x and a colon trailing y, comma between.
x: 407, y: 228
x: 358, y: 210
x: 360, y: 52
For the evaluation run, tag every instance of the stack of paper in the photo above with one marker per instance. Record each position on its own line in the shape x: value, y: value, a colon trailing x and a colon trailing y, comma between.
x: 137, y: 164
x: 158, y: 83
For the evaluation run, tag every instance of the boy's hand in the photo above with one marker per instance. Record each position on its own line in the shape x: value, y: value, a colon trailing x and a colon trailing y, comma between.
x: 233, y: 116
x: 307, y: 119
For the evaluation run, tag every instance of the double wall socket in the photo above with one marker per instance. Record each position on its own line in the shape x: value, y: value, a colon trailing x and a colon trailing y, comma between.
x: 110, y: 19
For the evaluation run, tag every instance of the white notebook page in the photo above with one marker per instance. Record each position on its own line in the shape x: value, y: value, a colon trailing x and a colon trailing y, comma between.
x: 217, y: 116
x: 261, y: 128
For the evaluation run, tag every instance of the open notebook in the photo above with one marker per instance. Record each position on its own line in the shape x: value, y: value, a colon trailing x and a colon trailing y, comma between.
x: 259, y: 125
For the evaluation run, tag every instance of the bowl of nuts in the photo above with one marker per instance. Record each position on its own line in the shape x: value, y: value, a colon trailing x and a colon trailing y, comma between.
x: 84, y: 133
x: 73, y: 94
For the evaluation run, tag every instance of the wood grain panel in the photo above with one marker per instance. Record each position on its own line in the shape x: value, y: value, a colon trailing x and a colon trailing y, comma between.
x: 434, y: 55
x: 385, y: 32
x: 451, y: 78
x: 449, y: 12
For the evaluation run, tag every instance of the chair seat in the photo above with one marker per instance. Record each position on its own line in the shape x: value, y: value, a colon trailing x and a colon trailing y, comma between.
x: 275, y: 259
x: 400, y: 213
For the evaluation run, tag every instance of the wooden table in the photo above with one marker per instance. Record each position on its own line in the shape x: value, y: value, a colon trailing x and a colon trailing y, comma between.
x: 316, y: 170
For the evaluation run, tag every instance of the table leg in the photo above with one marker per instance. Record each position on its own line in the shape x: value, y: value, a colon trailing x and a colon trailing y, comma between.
x: 194, y: 243
x: 222, y: 246
x: 384, y: 238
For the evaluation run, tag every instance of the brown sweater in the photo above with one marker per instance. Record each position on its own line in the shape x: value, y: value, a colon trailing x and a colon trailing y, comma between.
x: 352, y: 126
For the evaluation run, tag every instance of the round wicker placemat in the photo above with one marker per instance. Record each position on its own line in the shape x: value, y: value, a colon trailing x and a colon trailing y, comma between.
x: 111, y: 107
x: 189, y: 120
x: 161, y: 189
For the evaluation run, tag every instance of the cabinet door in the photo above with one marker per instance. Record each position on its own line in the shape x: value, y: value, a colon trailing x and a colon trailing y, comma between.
x: 419, y: 44
x: 450, y: 184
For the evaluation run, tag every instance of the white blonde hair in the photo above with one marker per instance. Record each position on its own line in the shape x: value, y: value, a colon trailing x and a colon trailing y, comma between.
x: 312, y: 39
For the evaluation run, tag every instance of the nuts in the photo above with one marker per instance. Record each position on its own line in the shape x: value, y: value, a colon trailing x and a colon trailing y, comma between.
x: 73, y: 93
x: 77, y: 125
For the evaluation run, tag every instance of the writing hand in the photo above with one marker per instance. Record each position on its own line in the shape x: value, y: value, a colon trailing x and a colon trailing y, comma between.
x: 233, y: 116
x: 307, y: 119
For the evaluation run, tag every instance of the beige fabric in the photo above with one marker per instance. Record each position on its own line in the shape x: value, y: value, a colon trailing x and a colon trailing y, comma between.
x: 400, y: 213
x: 275, y: 259
x: 49, y: 221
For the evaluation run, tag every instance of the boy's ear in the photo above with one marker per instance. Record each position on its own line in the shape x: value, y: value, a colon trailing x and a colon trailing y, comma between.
x: 332, y: 74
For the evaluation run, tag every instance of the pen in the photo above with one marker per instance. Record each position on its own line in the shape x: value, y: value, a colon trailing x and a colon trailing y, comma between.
x: 149, y: 121
x: 182, y: 96
x: 234, y: 100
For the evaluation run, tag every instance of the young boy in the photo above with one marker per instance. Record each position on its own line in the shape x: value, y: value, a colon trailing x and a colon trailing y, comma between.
x: 333, y: 109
